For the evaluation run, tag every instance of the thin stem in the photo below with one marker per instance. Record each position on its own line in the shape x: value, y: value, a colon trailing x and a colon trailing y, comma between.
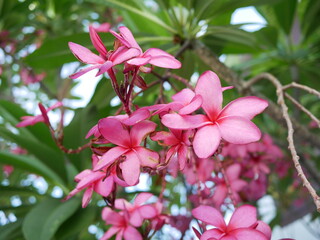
x: 181, y: 79
x: 303, y: 87
x: 284, y: 108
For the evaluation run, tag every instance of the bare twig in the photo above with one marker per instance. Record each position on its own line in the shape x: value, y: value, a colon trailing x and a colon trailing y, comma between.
x: 302, y: 108
x: 180, y: 79
x: 284, y: 108
x: 303, y: 87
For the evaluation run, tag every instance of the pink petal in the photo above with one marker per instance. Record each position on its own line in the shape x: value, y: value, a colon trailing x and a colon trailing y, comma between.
x: 148, y: 211
x: 220, y: 195
x: 194, y: 105
x: 164, y: 138
x: 210, y: 216
x: 105, y: 186
x: 131, y: 168
x: 264, y: 228
x: 90, y: 179
x: 82, y: 175
x: 104, y: 67
x: 141, y: 198
x: 96, y: 41
x: 228, y: 237
x: 184, y: 96
x: 165, y: 62
x: 209, y: 87
x: 147, y: 157
x: 140, y: 131
x: 93, y: 131
x: 122, y: 204
x: 136, y: 219
x: 56, y: 105
x: 184, y: 122
x: 127, y: 35
x: 238, y: 130
x: 206, y: 141
x: 87, y: 197
x: 130, y: 233
x: 246, y: 107
x: 139, y: 61
x: 137, y: 116
x: 30, y: 120
x: 238, y: 185
x: 113, y: 130
x: 123, y: 54
x: 84, y: 54
x: 246, y: 233
x: 109, y: 157
x: 111, y: 217
x: 233, y: 171
x: 84, y: 71
x: 111, y: 231
x: 243, y: 217
x: 182, y: 156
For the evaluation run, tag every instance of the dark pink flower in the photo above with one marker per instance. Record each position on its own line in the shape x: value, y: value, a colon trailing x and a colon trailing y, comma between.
x: 31, y: 120
x: 128, y: 142
x: 102, y: 182
x: 232, y: 123
x: 105, y: 60
x: 120, y: 226
x: 139, y: 210
x: 28, y: 76
x: 153, y: 56
x: 243, y: 224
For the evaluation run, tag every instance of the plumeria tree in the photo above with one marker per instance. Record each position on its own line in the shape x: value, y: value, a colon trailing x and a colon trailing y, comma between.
x: 173, y: 141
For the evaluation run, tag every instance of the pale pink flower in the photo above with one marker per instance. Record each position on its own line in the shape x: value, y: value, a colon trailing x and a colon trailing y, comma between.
x: 179, y: 142
x: 43, y: 117
x: 232, y: 123
x: 236, y: 185
x: 105, y: 60
x: 128, y: 150
x: 243, y: 224
x: 138, y: 211
x: 120, y: 226
x: 102, y: 182
x: 28, y: 76
x: 153, y: 56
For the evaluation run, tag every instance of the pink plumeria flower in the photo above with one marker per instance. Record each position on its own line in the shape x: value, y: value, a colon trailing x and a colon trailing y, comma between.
x: 204, y: 169
x: 232, y: 123
x: 43, y: 117
x: 139, y: 210
x: 105, y: 60
x: 243, y: 224
x: 153, y: 56
x: 236, y: 184
x: 101, y: 182
x: 179, y: 142
x: 120, y: 226
x: 29, y: 77
x: 128, y: 142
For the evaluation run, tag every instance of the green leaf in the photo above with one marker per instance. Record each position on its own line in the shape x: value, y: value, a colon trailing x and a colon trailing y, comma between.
x: 144, y: 13
x: 11, y: 231
x: 30, y: 164
x: 285, y: 13
x: 21, y: 191
x: 43, y: 220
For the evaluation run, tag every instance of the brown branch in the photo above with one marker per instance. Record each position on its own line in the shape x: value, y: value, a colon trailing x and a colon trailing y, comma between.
x: 302, y: 108
x: 303, y: 87
x: 180, y: 79
x: 284, y: 108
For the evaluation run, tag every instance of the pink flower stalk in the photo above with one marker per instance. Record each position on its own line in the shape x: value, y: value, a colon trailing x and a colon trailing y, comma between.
x: 102, y: 182
x: 29, y: 77
x: 128, y: 142
x: 139, y: 210
x: 43, y: 117
x: 120, y: 226
x: 236, y: 185
x: 179, y: 142
x: 105, y: 60
x: 243, y: 224
x: 232, y: 123
x: 153, y: 56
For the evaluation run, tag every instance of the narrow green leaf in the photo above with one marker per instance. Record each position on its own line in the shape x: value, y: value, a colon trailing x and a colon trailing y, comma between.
x: 11, y: 230
x: 43, y: 220
x: 285, y: 13
x: 30, y: 164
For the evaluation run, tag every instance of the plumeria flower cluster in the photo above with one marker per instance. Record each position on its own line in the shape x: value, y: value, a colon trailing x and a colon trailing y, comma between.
x: 191, y: 129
